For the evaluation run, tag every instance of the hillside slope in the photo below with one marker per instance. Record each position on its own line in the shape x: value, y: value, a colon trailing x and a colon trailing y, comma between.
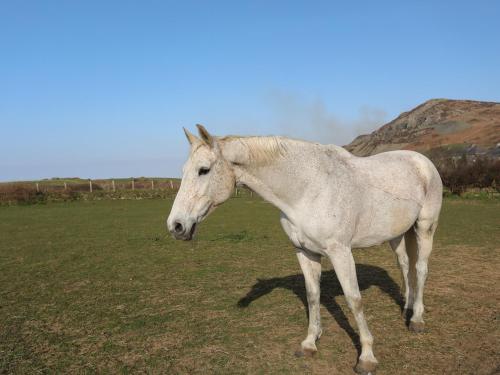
x: 447, y: 127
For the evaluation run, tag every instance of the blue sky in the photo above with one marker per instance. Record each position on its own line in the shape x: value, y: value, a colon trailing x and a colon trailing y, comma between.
x: 102, y: 88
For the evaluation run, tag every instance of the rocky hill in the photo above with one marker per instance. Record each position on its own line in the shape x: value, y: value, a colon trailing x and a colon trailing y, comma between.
x: 438, y: 127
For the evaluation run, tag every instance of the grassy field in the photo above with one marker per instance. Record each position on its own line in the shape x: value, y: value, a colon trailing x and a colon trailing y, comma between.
x: 99, y: 286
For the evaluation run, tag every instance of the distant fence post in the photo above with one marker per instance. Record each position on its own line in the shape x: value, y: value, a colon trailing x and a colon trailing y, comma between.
x: 90, y: 185
x: 236, y: 192
x: 152, y: 185
x: 37, y: 188
x: 171, y: 185
x: 65, y: 186
x: 133, y: 186
x: 113, y: 184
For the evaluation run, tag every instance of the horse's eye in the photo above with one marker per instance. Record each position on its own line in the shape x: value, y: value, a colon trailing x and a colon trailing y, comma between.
x: 203, y: 171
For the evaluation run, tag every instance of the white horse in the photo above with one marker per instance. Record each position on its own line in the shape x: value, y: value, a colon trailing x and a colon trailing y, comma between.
x: 330, y: 202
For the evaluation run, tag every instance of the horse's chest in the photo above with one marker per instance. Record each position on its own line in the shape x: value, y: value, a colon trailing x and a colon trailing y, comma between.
x: 298, y: 236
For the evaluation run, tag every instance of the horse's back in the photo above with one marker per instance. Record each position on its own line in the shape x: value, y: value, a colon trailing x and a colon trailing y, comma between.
x: 407, y: 174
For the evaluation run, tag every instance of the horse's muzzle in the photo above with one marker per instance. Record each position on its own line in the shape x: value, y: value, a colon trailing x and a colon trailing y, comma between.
x: 182, y: 231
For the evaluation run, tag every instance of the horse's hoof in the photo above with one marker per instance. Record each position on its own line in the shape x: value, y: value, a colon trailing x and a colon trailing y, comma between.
x: 306, y: 352
x: 417, y: 327
x: 365, y: 367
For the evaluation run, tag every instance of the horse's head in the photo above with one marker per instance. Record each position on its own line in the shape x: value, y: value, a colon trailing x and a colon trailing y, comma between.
x: 207, y: 181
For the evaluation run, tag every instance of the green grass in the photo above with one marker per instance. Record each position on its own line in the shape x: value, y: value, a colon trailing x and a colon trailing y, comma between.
x: 99, y: 286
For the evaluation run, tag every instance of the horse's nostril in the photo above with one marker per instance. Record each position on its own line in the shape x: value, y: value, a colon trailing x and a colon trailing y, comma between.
x: 178, y: 228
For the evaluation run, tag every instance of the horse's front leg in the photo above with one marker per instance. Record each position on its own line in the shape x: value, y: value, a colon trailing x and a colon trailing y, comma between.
x: 343, y: 264
x: 311, y: 267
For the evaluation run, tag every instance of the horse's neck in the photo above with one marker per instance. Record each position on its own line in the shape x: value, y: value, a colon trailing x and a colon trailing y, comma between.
x: 284, y: 179
x: 272, y: 184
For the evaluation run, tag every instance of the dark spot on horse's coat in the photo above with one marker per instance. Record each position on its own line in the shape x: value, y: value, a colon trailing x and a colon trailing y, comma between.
x: 432, y: 228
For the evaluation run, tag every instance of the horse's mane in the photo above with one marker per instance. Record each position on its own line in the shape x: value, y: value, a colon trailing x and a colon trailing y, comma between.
x: 261, y: 150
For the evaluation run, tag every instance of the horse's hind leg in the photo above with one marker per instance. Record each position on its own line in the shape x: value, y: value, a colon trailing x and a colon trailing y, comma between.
x: 311, y: 267
x: 400, y: 249
x: 424, y: 233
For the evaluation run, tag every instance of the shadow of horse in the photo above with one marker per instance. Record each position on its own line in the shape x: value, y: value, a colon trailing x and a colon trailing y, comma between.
x: 330, y: 288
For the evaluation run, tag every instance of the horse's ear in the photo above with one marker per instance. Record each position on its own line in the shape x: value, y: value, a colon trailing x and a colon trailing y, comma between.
x: 205, y: 135
x: 190, y: 137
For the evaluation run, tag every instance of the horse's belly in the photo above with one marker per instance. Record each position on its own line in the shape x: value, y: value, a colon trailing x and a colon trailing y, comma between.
x: 382, y: 223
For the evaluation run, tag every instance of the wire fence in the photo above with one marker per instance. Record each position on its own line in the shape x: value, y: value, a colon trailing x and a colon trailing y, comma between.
x: 104, y: 185
x: 77, y: 189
